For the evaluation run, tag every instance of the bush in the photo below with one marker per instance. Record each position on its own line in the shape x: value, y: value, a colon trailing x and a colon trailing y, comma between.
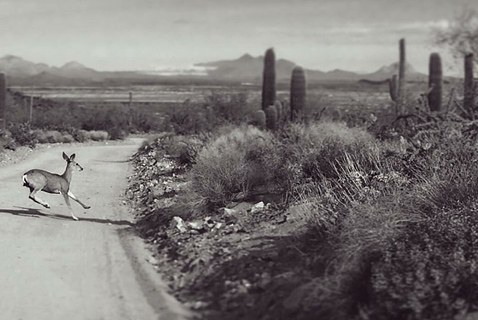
x: 22, y: 134
x: 68, y: 138
x: 6, y: 141
x: 184, y: 149
x: 404, y: 250
x: 82, y: 136
x: 50, y: 136
x: 228, y: 165
x: 311, y: 154
x: 115, y: 133
x: 98, y: 135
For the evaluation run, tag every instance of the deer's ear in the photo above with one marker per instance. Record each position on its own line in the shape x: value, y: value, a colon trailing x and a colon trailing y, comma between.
x: 72, y: 157
x: 65, y: 157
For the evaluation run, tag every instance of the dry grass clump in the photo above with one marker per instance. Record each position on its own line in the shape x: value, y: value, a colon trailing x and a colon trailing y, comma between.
x: 229, y: 164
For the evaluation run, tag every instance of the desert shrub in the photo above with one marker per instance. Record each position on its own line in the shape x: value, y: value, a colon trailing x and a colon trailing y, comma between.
x: 68, y: 138
x: 6, y: 141
x: 81, y: 135
x: 403, y: 251
x: 116, y: 133
x: 49, y: 136
x: 184, y: 149
x: 229, y: 107
x: 22, y: 134
x: 97, y: 135
x: 305, y: 154
x: 228, y: 165
x: 429, y: 270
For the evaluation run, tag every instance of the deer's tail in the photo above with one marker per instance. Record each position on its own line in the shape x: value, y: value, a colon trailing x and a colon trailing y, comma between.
x: 25, y: 181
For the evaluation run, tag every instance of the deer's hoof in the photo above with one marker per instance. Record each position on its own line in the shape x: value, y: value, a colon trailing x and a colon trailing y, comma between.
x: 46, y: 205
x: 86, y: 207
x: 75, y: 218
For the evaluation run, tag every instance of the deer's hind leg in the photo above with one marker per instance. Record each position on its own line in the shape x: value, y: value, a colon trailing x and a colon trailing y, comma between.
x: 33, y: 196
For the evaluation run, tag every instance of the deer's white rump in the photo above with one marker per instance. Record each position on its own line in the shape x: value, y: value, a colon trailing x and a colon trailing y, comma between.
x: 40, y: 180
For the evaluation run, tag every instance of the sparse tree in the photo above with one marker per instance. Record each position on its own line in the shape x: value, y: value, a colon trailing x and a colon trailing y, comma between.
x: 460, y: 35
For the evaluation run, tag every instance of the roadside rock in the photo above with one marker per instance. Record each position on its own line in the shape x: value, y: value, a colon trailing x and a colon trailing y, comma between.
x: 179, y: 224
x: 258, y: 207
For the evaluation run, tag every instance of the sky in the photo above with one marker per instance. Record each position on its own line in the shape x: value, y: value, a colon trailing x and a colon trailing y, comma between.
x: 109, y: 35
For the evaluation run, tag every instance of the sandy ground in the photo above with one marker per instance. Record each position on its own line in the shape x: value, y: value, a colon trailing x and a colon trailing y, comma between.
x: 52, y: 267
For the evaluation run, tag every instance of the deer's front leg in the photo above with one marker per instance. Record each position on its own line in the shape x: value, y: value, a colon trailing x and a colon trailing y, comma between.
x: 67, y: 201
x: 71, y: 195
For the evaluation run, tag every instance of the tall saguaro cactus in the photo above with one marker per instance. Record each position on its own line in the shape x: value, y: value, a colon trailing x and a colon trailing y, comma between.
x: 393, y: 88
x: 3, y: 101
x: 469, y: 99
x: 269, y: 79
x: 435, y: 83
x: 401, y: 75
x: 298, y: 92
x: 271, y: 118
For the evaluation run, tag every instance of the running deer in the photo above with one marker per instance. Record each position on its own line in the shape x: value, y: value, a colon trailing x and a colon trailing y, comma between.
x: 41, y: 180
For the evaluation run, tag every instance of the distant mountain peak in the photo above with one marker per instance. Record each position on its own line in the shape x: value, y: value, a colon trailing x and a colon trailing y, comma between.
x: 10, y: 58
x: 393, y: 68
x: 388, y: 71
x: 73, y: 65
x: 246, y: 56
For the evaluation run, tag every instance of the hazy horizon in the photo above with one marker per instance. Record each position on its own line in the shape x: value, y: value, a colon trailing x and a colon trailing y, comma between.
x: 115, y: 35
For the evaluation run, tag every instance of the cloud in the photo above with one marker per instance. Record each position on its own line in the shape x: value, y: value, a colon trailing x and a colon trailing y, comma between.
x: 424, y: 25
x: 351, y: 30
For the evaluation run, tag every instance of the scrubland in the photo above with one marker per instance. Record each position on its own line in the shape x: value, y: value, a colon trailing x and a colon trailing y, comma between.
x: 383, y: 210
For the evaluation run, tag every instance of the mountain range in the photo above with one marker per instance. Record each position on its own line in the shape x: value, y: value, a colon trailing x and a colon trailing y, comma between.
x: 249, y: 68
x: 245, y: 69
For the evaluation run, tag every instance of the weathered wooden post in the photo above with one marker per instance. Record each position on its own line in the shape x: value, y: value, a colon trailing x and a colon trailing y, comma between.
x: 30, y: 117
x: 3, y: 101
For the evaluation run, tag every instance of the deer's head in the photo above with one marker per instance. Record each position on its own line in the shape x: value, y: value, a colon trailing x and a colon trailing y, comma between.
x: 71, y: 161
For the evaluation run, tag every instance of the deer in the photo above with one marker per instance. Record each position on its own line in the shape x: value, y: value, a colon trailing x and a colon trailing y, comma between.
x: 40, y: 180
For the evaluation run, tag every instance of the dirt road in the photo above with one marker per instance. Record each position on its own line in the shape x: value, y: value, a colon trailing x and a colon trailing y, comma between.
x: 52, y: 267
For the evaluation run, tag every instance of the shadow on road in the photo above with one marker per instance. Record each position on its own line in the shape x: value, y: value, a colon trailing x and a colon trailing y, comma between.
x: 34, y: 213
x: 113, y: 161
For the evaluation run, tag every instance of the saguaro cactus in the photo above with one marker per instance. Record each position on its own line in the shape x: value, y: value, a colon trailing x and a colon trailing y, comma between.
x: 259, y: 119
x: 435, y: 82
x: 269, y: 79
x: 279, y: 110
x: 271, y: 118
x: 393, y: 88
x: 401, y: 75
x: 469, y: 99
x: 3, y: 101
x: 298, y: 91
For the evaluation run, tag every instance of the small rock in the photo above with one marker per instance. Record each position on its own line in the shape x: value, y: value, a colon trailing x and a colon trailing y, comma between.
x: 229, y: 211
x: 179, y: 224
x: 196, y: 225
x: 258, y: 207
x: 153, y: 260
x: 129, y: 194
